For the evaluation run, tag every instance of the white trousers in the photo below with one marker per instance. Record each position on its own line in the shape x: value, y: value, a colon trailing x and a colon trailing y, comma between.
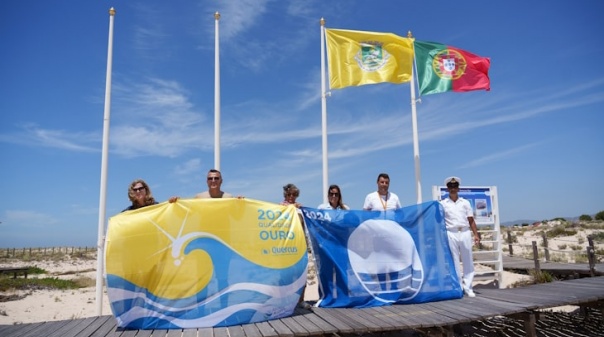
x: 461, y: 248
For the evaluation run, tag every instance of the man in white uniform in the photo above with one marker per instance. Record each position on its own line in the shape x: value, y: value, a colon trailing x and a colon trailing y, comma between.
x: 460, y: 224
x: 382, y: 200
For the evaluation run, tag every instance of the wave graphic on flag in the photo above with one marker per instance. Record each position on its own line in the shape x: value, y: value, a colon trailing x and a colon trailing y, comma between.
x: 219, y: 277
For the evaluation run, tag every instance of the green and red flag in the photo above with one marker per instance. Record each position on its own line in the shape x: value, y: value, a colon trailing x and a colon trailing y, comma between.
x: 442, y: 68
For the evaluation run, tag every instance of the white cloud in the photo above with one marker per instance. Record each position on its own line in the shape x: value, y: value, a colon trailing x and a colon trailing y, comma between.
x: 30, y: 219
x: 190, y: 167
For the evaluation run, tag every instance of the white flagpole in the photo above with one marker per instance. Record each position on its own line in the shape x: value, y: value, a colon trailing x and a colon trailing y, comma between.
x: 216, y: 93
x: 100, y: 248
x: 324, y: 114
x: 418, y: 182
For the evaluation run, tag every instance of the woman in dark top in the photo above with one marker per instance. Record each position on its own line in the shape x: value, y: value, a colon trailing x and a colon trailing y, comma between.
x: 140, y: 195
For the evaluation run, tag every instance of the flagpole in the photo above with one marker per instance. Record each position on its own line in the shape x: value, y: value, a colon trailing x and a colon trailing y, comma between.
x: 324, y: 114
x: 418, y: 183
x: 100, y: 248
x: 216, y: 93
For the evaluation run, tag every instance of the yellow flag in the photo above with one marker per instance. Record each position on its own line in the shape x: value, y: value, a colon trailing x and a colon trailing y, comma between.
x: 358, y: 58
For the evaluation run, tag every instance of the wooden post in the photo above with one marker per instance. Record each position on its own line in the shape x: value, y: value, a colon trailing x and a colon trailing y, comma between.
x: 536, y: 258
x: 529, y: 325
x: 546, y: 246
x: 510, y: 242
x: 591, y: 255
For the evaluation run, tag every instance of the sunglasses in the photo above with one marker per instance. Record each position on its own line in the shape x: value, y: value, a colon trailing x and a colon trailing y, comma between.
x: 334, y: 194
x: 453, y: 185
x: 138, y: 189
x: 213, y: 178
x: 291, y: 195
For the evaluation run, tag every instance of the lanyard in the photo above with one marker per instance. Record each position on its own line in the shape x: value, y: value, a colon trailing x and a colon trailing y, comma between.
x: 384, y: 204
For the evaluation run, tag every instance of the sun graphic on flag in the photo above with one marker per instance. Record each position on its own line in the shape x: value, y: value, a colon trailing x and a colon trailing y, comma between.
x: 449, y: 64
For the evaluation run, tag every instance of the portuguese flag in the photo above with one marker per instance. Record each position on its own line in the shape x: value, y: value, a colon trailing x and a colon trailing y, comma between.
x: 442, y: 68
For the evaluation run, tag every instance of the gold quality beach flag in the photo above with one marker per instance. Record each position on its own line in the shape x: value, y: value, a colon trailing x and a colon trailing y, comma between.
x: 359, y: 57
x: 204, y: 263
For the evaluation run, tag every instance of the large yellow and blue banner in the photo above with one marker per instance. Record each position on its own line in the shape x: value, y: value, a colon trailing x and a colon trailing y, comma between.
x: 375, y: 258
x: 204, y: 263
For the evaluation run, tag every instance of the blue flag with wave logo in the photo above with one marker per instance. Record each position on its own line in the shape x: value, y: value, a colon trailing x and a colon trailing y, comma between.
x: 204, y: 263
x: 373, y: 258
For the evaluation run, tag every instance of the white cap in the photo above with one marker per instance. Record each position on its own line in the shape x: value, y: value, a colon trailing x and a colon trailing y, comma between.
x: 452, y: 180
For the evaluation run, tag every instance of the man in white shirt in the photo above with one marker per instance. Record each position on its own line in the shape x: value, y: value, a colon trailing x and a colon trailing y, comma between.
x: 382, y: 200
x: 460, y: 224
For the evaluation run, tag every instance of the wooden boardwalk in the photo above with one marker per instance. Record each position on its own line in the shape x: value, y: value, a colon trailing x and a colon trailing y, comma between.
x: 435, y: 317
x: 513, y: 263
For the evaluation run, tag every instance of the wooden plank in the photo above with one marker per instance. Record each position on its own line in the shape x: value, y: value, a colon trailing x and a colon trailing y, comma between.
x: 197, y: 333
x: 342, y: 325
x: 173, y: 333
x: 235, y: 331
x: 310, y: 327
x: 280, y: 328
x: 74, y: 327
x: 529, y: 300
x: 131, y: 333
x: 95, y: 325
x: 333, y: 321
x: 425, y: 316
x: 100, y: 327
x: 397, y: 315
x: 391, y: 320
x: 409, y: 314
x: 44, y: 328
x: 154, y: 333
x: 451, y: 311
x: 201, y: 332
x: 4, y: 329
x: 251, y: 330
x: 296, y: 328
x: 221, y: 332
x: 266, y: 329
x: 354, y: 318
x: 19, y: 330
x: 376, y: 317
x: 510, y: 307
x: 322, y: 325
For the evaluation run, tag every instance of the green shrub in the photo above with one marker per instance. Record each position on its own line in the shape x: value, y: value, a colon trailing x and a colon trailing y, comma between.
x: 36, y: 283
x: 600, y: 216
x: 560, y: 231
x: 585, y: 217
x: 541, y: 277
x: 598, y: 237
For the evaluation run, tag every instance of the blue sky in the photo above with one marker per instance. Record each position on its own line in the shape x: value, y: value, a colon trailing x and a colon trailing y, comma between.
x: 537, y: 135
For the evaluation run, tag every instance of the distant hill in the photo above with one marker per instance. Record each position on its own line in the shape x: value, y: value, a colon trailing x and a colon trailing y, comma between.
x: 520, y: 222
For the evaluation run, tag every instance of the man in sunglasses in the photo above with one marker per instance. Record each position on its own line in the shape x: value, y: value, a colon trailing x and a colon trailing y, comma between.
x: 214, y: 180
x: 460, y: 224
